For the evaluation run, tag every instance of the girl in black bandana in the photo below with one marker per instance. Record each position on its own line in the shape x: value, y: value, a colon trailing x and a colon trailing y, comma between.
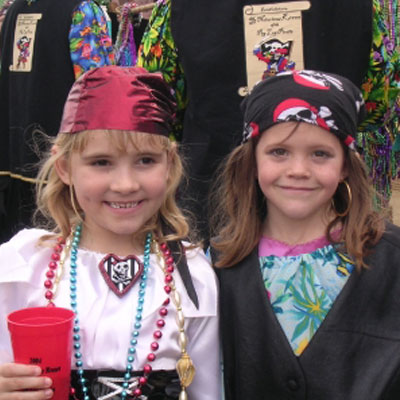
x: 308, y: 270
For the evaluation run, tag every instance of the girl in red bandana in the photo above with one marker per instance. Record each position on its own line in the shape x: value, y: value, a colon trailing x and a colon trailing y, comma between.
x: 108, y: 191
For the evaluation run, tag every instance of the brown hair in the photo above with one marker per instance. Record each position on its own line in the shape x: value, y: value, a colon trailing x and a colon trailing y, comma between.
x: 56, y: 200
x: 240, y: 209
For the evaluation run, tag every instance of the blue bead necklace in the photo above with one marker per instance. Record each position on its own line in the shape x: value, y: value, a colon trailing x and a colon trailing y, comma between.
x: 137, y: 322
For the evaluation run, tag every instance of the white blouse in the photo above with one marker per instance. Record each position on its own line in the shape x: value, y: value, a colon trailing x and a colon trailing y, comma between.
x: 106, y: 320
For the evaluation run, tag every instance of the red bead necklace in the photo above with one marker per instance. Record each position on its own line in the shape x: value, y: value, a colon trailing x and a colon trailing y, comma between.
x: 52, y: 276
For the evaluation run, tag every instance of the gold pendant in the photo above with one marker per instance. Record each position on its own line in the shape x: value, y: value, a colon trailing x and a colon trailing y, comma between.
x: 186, y: 370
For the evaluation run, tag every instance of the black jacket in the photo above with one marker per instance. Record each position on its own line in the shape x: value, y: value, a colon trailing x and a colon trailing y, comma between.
x: 354, y: 355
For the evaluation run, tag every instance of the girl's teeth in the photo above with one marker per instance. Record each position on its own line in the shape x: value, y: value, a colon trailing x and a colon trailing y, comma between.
x: 123, y: 205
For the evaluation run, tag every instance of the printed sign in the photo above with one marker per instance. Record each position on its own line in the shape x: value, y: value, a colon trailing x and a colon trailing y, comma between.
x: 24, y: 42
x: 273, y: 39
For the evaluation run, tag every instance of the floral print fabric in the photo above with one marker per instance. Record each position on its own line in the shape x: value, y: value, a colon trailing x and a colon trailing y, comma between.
x: 90, y: 42
x: 158, y: 53
x: 302, y: 290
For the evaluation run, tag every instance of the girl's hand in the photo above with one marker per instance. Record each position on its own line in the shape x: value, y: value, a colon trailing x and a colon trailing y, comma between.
x: 15, y: 379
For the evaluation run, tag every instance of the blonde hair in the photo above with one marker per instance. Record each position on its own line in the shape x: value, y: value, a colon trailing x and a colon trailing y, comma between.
x: 240, y: 209
x: 56, y: 200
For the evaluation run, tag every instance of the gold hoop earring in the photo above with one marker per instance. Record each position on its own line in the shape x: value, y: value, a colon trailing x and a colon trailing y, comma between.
x: 349, y: 201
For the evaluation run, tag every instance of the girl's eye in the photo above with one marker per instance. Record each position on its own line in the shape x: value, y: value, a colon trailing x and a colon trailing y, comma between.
x: 100, y: 163
x: 322, y: 154
x: 278, y: 152
x: 146, y: 160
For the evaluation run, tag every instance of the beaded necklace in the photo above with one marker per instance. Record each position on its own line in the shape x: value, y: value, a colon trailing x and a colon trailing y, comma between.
x: 131, y: 388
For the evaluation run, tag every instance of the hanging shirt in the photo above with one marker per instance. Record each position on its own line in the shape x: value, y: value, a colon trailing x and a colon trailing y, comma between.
x: 159, y: 53
x: 89, y: 38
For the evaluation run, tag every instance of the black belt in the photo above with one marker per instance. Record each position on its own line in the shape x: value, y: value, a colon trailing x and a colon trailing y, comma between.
x: 161, y: 384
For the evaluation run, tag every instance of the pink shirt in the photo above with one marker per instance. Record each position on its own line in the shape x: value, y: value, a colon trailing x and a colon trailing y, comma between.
x: 272, y: 247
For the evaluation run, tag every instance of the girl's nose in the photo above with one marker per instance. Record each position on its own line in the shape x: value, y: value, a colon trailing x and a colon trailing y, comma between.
x: 299, y: 168
x: 124, y: 180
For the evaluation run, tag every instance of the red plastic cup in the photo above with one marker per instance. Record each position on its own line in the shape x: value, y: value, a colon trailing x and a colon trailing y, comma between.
x: 43, y: 336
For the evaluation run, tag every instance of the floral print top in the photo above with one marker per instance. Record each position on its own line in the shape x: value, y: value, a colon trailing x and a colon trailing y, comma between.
x: 90, y: 41
x: 302, y: 290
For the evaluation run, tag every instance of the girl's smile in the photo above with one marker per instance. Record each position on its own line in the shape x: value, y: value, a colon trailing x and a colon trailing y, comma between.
x: 123, y: 205
x: 297, y: 189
